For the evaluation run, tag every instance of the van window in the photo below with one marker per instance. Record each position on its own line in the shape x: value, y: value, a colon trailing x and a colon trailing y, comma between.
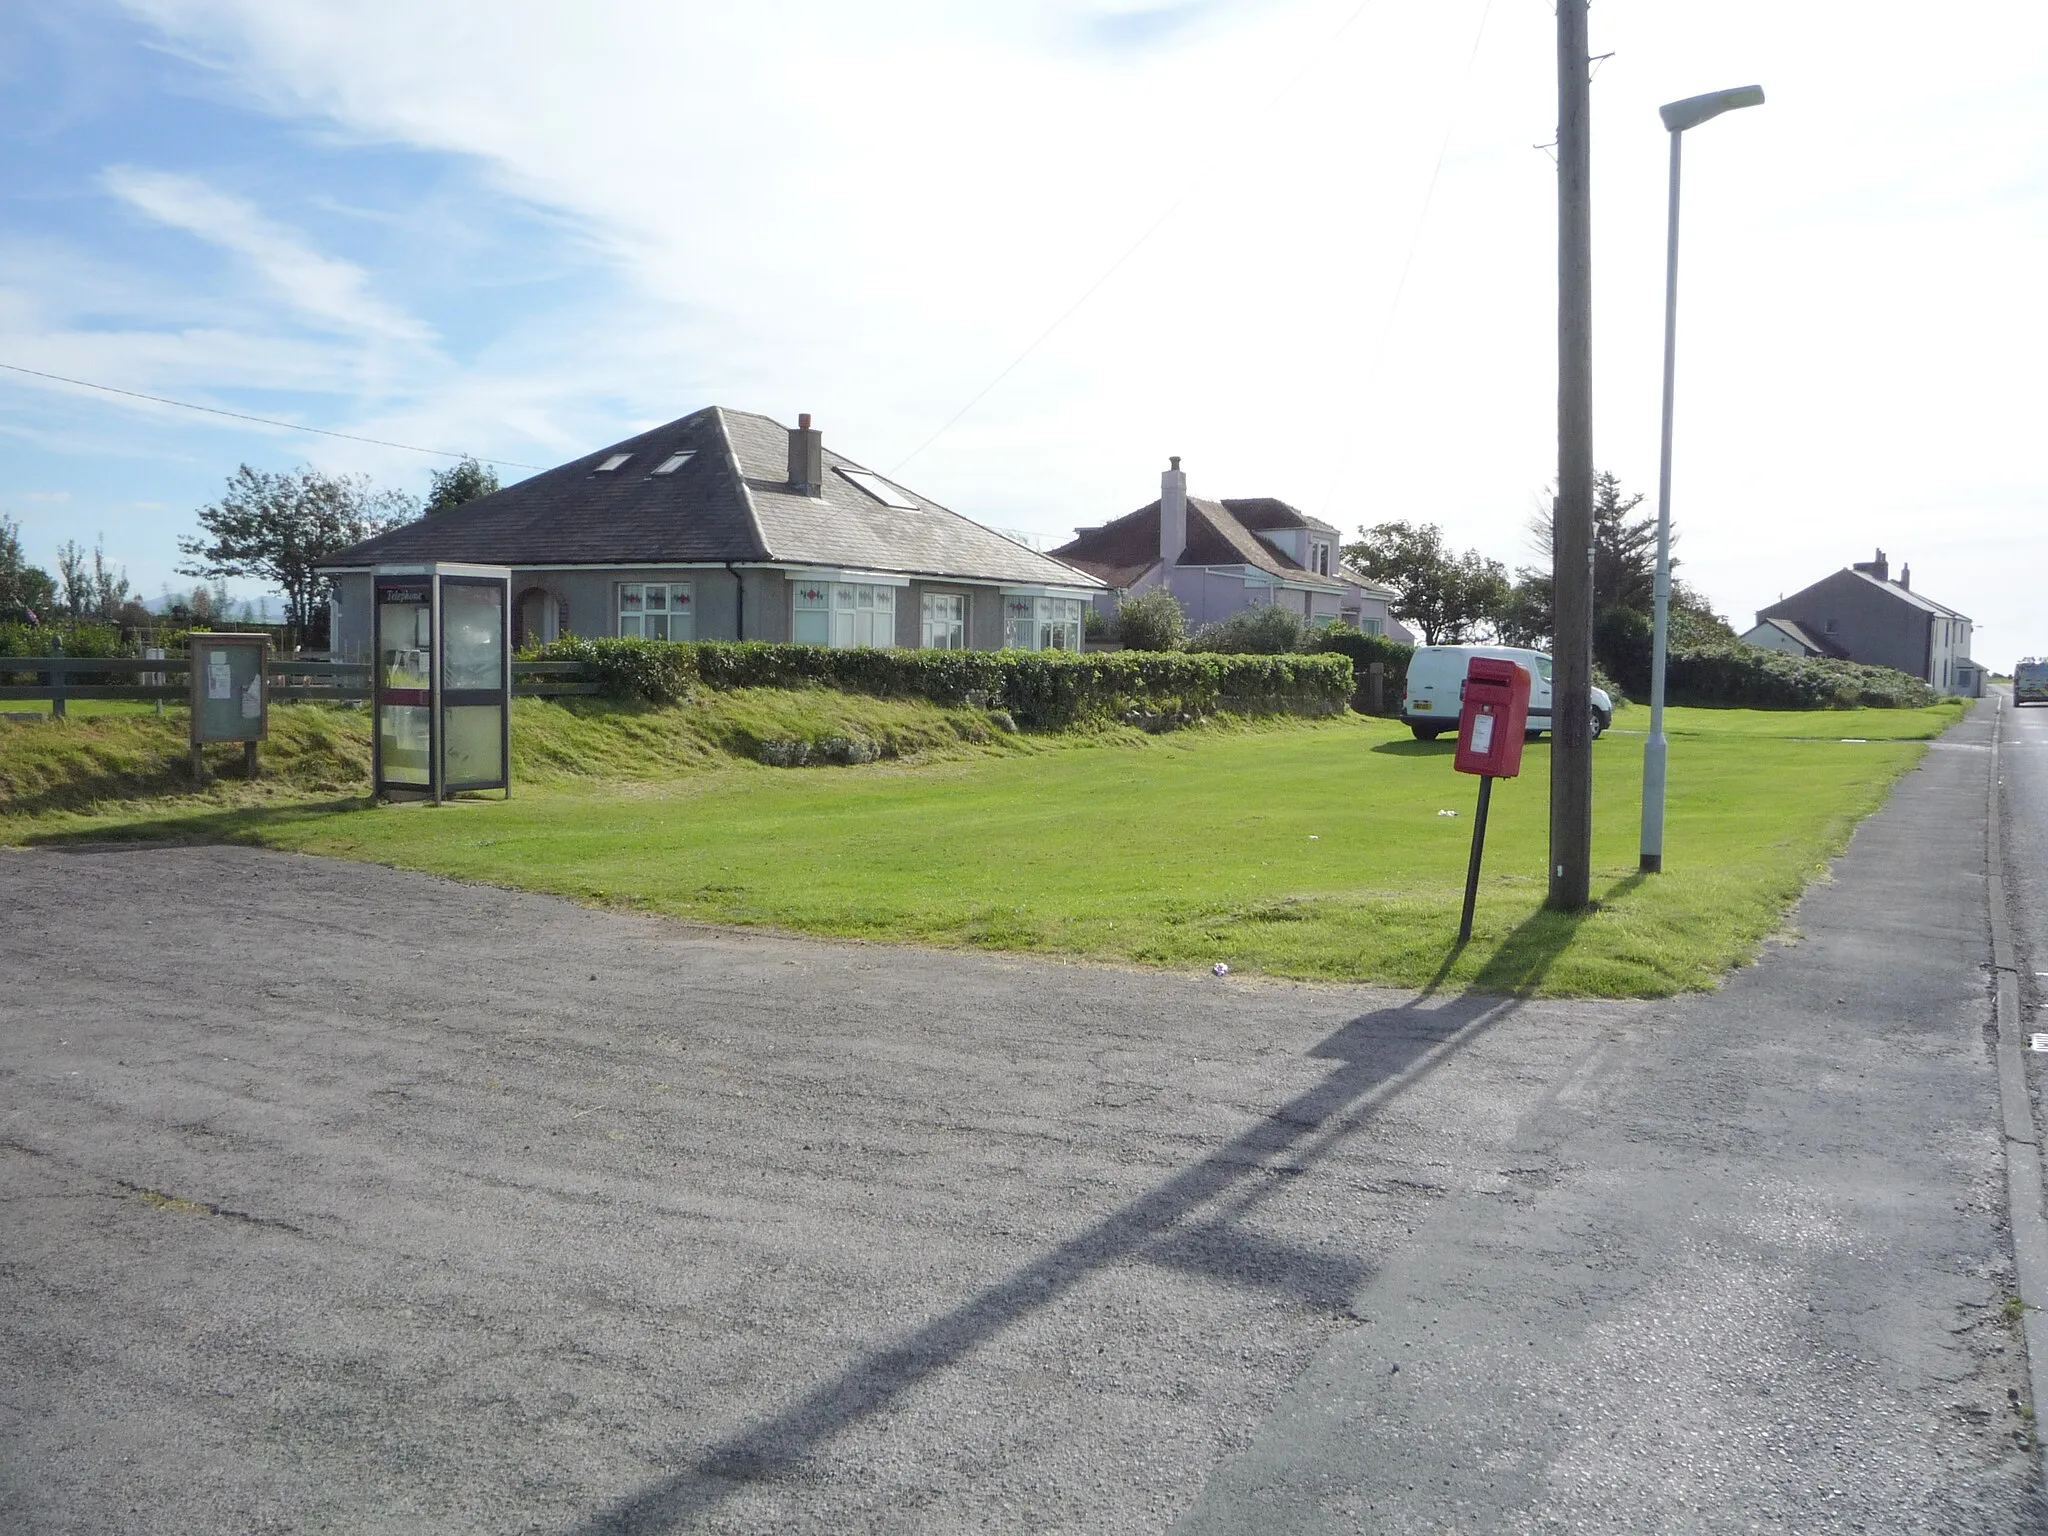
x: 1543, y: 668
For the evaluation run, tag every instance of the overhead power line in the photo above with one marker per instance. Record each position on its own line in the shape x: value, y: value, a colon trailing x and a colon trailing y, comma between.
x: 268, y: 421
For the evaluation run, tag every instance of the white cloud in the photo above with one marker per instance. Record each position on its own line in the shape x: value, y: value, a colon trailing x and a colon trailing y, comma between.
x: 868, y: 210
x: 324, y: 290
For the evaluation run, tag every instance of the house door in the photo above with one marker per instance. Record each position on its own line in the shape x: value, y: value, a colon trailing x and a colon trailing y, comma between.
x: 537, y: 619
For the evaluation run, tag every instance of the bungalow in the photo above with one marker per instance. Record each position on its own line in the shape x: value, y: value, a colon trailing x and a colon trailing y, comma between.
x: 1221, y: 557
x: 1861, y: 614
x: 725, y: 525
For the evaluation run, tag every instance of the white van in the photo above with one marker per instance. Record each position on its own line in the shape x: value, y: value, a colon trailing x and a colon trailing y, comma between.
x: 1436, y: 688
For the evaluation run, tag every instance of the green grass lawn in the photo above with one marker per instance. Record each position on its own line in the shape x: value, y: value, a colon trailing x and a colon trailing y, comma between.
x: 1308, y: 850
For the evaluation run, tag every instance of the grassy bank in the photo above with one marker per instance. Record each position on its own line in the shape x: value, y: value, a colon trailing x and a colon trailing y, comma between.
x: 1306, y: 849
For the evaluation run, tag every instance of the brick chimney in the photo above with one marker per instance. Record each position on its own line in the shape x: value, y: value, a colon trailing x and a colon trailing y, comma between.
x: 1173, y: 512
x: 1877, y: 567
x: 806, y: 458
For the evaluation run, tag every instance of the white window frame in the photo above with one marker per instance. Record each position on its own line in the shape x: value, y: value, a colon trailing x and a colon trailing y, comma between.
x: 631, y: 605
x: 942, y: 621
x: 844, y: 615
x: 1042, y: 623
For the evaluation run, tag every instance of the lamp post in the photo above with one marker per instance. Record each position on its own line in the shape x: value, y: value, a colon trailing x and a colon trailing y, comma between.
x: 1678, y: 116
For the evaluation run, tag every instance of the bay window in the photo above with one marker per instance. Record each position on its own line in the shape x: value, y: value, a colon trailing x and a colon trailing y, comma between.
x: 842, y: 614
x: 1041, y: 623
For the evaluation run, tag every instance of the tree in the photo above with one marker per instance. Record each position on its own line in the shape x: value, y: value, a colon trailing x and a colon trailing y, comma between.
x: 110, y: 592
x: 75, y: 579
x: 1624, y: 557
x: 466, y: 481
x: 279, y: 526
x: 24, y: 588
x: 1449, y: 597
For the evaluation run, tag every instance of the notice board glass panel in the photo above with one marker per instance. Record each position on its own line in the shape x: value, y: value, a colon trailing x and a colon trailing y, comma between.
x: 473, y: 630
x: 227, y: 701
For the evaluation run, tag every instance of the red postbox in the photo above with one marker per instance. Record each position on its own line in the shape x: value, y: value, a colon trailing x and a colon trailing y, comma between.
x: 1493, y: 719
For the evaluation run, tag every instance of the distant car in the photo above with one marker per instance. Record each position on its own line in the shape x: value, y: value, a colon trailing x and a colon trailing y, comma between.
x: 1436, y: 688
x: 2030, y: 682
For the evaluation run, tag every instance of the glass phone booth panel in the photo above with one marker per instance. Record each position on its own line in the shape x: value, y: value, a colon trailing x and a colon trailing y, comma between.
x: 405, y: 682
x: 475, y: 682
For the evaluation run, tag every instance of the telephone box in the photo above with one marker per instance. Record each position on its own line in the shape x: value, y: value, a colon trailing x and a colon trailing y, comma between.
x: 1494, y: 718
x: 443, y: 647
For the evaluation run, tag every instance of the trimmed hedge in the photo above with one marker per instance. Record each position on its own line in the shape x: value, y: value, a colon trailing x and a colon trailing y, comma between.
x: 1046, y: 689
x: 1364, y: 650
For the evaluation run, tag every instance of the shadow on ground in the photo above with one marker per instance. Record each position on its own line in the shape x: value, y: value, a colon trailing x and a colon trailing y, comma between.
x: 1193, y: 1222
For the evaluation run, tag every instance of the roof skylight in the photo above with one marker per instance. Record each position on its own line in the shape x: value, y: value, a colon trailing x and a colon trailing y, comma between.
x: 887, y: 494
x: 613, y: 463
x: 673, y: 462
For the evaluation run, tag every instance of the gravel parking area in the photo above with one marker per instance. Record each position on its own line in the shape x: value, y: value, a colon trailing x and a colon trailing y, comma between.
x: 337, y: 1198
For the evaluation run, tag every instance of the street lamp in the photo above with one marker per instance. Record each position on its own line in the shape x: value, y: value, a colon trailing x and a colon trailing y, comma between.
x: 1678, y: 116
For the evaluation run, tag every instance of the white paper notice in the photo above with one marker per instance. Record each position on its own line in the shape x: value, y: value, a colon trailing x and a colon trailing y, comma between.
x: 219, y: 685
x: 1482, y: 733
x: 252, y: 700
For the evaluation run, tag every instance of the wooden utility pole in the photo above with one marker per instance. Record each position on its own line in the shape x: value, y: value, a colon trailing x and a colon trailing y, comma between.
x: 1571, y: 739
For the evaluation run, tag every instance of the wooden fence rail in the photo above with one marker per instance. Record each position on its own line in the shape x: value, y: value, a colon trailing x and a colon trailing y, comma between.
x: 290, y: 678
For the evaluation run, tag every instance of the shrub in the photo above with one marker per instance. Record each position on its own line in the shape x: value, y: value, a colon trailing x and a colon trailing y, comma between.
x: 1151, y: 621
x: 1046, y: 689
x: 1747, y: 676
x: 626, y: 668
x: 1622, y: 642
x: 1268, y: 630
x: 1364, y: 650
x: 79, y: 640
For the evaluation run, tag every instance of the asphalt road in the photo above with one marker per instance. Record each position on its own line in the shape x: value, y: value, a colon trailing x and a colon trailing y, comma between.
x: 336, y: 1198
x: 342, y: 1199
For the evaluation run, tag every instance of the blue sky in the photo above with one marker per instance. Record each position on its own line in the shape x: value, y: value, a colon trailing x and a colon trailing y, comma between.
x: 1315, y: 240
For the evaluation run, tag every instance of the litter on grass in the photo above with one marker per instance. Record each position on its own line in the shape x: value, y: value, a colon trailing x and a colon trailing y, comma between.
x: 1220, y: 968
x: 1447, y: 813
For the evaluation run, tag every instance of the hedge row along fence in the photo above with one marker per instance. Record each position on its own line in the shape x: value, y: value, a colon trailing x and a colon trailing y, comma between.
x: 1048, y: 690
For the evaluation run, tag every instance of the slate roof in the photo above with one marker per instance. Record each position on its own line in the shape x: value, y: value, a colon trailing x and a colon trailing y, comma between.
x: 730, y: 501
x: 1907, y: 595
x: 1261, y: 513
x: 1122, y: 551
x: 1806, y: 637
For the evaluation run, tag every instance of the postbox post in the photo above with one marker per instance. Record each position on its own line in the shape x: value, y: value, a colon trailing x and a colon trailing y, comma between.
x: 1492, y: 723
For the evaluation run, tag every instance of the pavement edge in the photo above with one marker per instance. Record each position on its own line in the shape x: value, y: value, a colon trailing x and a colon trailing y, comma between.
x: 2022, y: 1139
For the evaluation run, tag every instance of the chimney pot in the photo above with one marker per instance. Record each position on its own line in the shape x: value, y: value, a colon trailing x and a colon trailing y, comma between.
x: 803, y: 420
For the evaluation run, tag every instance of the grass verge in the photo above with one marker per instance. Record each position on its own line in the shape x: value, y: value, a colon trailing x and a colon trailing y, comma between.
x: 1304, y: 849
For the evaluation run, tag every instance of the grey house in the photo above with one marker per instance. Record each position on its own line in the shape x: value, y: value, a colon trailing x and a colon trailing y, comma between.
x: 1861, y: 614
x: 1221, y: 557
x: 725, y: 525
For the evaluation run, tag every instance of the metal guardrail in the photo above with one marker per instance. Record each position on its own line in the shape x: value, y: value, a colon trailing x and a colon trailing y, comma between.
x: 291, y: 678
